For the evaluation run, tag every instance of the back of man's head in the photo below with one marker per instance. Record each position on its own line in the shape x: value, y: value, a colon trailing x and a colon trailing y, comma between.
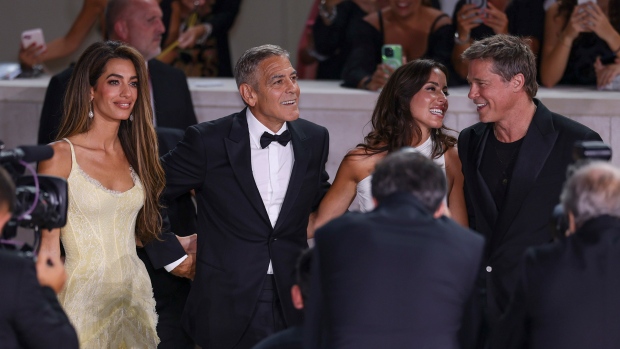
x: 407, y: 171
x: 592, y: 190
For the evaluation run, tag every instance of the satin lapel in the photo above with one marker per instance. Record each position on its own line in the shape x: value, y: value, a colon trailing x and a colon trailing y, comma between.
x: 302, y: 157
x: 239, y: 155
x: 537, y: 145
x: 485, y: 205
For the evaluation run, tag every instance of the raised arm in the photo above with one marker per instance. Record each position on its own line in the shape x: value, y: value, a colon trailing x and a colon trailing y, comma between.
x: 559, y: 37
x: 456, y: 196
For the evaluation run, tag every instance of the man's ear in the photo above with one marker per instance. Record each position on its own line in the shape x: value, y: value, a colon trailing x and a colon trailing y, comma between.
x: 121, y: 30
x: 442, y: 210
x: 248, y: 94
x: 517, y: 82
x: 5, y: 215
x: 298, y: 301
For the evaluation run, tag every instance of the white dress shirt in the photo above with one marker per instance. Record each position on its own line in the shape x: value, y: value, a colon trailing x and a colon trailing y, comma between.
x: 271, y: 168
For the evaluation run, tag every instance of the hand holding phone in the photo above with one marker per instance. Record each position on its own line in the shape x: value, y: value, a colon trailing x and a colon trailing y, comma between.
x: 392, y: 55
x: 33, y: 36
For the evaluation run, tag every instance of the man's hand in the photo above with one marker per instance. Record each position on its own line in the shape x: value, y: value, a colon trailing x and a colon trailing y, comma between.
x: 188, y: 243
x: 187, y: 268
x: 51, y: 272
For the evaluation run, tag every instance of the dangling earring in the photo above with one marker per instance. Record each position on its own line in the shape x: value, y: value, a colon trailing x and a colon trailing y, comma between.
x: 90, y: 112
x: 130, y: 117
x: 437, y: 131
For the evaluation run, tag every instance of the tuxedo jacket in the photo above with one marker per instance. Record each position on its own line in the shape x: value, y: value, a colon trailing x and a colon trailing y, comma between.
x: 394, y: 277
x: 534, y: 190
x: 235, y: 238
x: 171, y: 98
x: 567, y: 295
x: 30, y: 315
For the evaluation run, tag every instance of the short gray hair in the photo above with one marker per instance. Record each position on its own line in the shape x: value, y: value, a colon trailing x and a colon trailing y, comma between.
x: 592, y: 190
x: 246, y: 65
x: 113, y: 12
x: 407, y: 171
x: 510, y: 56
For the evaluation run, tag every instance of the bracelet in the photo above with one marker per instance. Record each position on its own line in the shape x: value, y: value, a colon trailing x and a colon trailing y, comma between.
x: 458, y: 41
x: 366, y: 82
x: 208, y: 28
x: 329, y: 16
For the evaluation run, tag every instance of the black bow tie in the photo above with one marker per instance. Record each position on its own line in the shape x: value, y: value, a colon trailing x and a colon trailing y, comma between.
x: 267, y: 138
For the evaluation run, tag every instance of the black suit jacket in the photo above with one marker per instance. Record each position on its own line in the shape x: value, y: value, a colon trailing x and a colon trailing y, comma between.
x: 537, y: 179
x: 235, y: 237
x: 392, y: 278
x: 30, y: 315
x: 567, y: 295
x: 171, y: 98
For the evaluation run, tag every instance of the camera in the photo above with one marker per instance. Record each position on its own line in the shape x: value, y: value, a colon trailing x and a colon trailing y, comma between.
x: 41, y: 201
x: 583, y: 151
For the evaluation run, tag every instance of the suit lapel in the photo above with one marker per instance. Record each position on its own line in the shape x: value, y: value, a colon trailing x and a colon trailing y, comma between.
x: 239, y: 155
x: 300, y: 167
x: 537, y: 145
x: 485, y: 202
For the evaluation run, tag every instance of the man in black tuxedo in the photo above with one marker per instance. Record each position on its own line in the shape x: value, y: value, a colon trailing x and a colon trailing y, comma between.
x: 30, y: 315
x: 254, y: 200
x: 139, y: 24
x: 400, y: 276
x: 514, y: 160
x: 567, y: 294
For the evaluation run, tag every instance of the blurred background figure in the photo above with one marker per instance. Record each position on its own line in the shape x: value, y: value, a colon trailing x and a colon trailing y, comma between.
x: 524, y: 18
x: 421, y: 30
x: 581, y: 43
x: 197, y: 37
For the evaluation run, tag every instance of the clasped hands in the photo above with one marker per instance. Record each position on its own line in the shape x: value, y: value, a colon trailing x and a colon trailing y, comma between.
x: 187, y: 268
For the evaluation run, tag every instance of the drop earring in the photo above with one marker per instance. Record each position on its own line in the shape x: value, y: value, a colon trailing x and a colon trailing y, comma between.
x: 90, y: 112
x: 130, y: 117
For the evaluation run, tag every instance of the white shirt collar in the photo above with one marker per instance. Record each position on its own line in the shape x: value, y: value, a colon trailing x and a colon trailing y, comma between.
x: 256, y: 128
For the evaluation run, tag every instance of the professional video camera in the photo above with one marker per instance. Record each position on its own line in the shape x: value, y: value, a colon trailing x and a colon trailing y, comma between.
x: 41, y: 201
x: 583, y: 152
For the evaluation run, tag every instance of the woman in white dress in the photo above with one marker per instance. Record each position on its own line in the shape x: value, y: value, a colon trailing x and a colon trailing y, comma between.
x: 409, y: 112
x: 107, y: 151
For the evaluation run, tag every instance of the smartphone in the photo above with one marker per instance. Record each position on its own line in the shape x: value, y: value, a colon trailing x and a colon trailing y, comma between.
x: 33, y: 36
x: 392, y: 55
x: 579, y: 2
x: 480, y: 3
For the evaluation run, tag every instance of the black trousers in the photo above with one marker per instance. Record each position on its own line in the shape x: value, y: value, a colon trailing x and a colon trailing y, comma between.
x: 267, y: 318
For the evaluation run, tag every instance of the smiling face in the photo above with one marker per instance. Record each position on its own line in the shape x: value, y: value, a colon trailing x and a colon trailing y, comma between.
x: 143, y: 27
x: 404, y: 8
x: 429, y: 105
x: 115, y: 93
x: 494, y: 97
x: 275, y: 97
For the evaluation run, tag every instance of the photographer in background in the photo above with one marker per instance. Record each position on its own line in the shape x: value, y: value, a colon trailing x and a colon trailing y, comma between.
x: 30, y: 315
x: 567, y: 293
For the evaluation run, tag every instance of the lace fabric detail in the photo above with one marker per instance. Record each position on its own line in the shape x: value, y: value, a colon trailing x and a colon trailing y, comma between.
x: 108, y: 294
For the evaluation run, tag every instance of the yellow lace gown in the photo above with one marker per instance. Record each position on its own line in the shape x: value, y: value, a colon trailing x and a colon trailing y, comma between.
x: 108, y: 294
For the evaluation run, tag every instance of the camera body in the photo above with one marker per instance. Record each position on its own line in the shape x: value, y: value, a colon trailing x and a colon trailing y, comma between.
x: 41, y: 201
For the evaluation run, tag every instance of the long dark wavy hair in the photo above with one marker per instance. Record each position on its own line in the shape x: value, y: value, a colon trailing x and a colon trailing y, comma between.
x: 137, y: 137
x: 393, y: 126
x: 566, y: 7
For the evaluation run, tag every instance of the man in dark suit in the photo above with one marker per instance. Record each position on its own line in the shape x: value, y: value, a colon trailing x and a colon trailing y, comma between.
x: 514, y: 160
x: 567, y: 295
x: 30, y: 315
x: 254, y: 200
x: 400, y: 276
x: 138, y: 23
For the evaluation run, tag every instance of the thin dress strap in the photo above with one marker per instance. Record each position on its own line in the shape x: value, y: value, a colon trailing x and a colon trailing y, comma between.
x: 73, y: 161
x: 381, y: 24
x: 437, y: 20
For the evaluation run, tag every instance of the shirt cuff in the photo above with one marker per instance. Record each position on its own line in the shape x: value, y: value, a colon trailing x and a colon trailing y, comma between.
x: 175, y: 264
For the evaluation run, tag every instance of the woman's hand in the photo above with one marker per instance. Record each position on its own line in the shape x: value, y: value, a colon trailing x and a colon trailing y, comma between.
x: 380, y: 77
x: 605, y: 74
x: 468, y: 18
x: 495, y: 19
x: 30, y: 56
x: 596, y: 21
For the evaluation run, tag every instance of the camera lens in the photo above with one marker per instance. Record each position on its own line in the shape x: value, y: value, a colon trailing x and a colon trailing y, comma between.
x: 389, y: 52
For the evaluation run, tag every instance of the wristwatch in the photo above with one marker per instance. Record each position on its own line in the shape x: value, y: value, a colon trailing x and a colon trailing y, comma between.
x: 458, y: 41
